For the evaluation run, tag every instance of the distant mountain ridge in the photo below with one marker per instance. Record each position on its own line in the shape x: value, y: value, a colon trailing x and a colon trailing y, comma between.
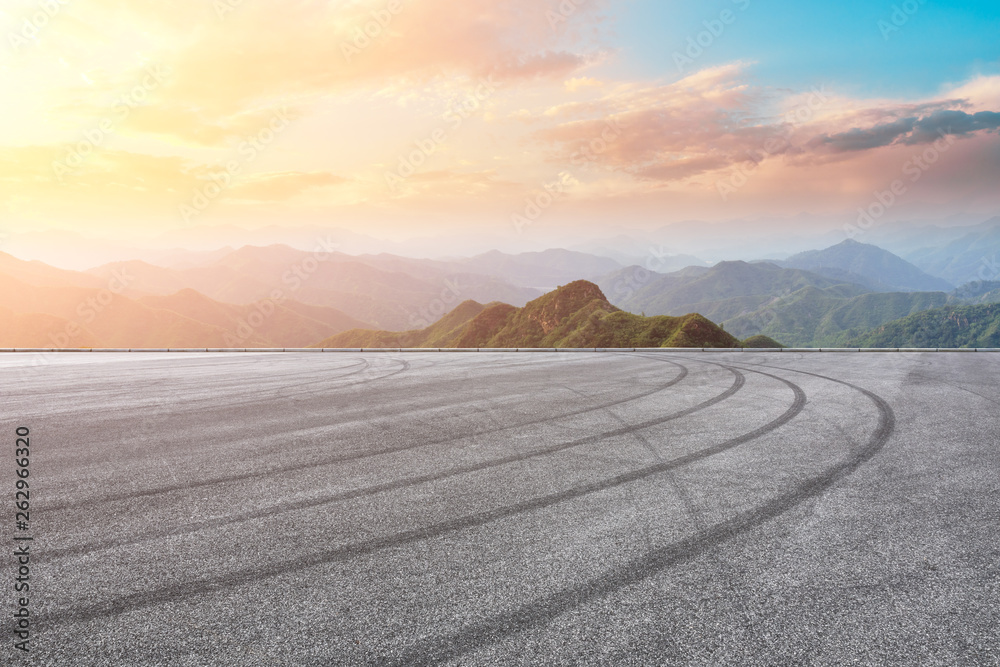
x: 68, y: 316
x: 542, y: 270
x: 819, y: 298
x: 384, y: 290
x: 723, y: 291
x: 573, y: 315
x: 867, y: 265
x: 974, y: 256
x: 279, y: 296
x: 813, y: 317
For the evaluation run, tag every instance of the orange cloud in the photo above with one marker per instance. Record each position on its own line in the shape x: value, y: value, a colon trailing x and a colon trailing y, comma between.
x: 713, y: 121
x: 253, y: 57
x: 283, y: 186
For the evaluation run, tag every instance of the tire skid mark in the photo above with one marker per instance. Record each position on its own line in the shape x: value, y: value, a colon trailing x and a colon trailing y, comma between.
x: 471, y: 403
x: 168, y: 594
x: 547, y: 609
x: 396, y: 485
x: 214, y: 403
x: 151, y: 492
x: 145, y: 493
x: 280, y: 390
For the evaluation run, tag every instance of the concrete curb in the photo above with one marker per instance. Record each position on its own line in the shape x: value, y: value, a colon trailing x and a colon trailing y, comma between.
x: 203, y: 350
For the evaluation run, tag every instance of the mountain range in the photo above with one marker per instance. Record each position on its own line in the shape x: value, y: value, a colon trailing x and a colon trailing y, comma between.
x: 813, y: 317
x: 973, y: 256
x: 816, y: 299
x: 54, y: 316
x: 279, y: 296
x: 867, y: 265
x: 384, y: 290
x: 723, y: 291
x: 573, y: 315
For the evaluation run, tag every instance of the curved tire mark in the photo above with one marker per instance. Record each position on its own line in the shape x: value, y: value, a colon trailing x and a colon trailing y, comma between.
x: 398, y: 484
x: 145, y: 493
x: 167, y: 594
x: 547, y: 609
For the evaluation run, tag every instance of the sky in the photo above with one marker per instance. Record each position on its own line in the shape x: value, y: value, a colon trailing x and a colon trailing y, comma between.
x: 397, y: 118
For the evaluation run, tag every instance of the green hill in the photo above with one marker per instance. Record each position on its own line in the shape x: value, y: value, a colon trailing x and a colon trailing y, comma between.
x: 813, y: 317
x: 948, y: 327
x: 722, y: 292
x: 446, y: 332
x: 761, y: 342
x: 979, y: 291
x: 574, y: 315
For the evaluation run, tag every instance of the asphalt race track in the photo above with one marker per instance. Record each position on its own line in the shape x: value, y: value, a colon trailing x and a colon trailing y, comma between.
x: 507, y: 508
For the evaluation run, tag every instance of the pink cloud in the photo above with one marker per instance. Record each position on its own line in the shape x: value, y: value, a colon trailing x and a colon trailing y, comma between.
x: 713, y: 121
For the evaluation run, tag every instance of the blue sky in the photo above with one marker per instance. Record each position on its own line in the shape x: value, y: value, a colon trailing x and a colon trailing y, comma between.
x: 138, y: 111
x: 800, y: 44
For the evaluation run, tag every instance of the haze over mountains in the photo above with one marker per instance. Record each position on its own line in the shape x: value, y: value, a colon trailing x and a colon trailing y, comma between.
x: 953, y: 249
x: 868, y: 265
x: 572, y: 316
x: 280, y: 296
x: 384, y: 290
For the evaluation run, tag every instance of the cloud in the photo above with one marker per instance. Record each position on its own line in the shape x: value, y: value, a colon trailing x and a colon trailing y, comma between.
x: 266, y: 54
x: 681, y: 169
x: 114, y: 183
x: 714, y: 120
x: 549, y: 64
x: 951, y: 123
x: 447, y: 184
x: 665, y: 132
x: 282, y: 186
x: 911, y: 131
x: 575, y: 84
